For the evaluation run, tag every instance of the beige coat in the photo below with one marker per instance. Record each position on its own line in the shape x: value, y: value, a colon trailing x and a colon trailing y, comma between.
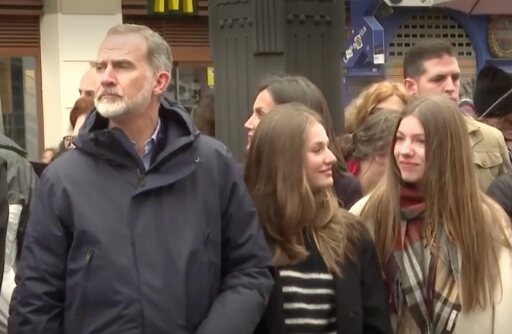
x: 495, y: 320
x: 490, y: 153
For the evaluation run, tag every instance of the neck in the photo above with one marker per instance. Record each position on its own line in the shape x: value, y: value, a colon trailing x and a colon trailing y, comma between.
x: 138, y: 128
x: 369, y: 176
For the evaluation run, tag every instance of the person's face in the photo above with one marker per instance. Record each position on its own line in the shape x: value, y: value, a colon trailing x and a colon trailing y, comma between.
x: 393, y: 102
x: 47, y: 156
x: 441, y: 77
x: 262, y: 105
x: 126, y: 79
x: 318, y: 159
x: 409, y: 150
x: 88, y: 84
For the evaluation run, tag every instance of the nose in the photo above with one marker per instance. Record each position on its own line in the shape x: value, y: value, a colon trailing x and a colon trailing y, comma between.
x: 249, y: 124
x: 405, y: 148
x: 330, y: 158
x: 107, y: 77
x: 449, y: 85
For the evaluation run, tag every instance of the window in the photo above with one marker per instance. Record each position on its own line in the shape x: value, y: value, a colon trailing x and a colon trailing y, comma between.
x: 188, y: 83
x: 19, y: 100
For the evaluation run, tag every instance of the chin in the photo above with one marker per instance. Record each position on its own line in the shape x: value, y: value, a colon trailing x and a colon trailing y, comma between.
x: 411, y: 180
x: 109, y: 110
x: 322, y: 184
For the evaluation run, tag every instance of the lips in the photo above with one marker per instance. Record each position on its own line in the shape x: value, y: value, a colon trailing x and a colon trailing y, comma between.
x: 109, y: 95
x: 326, y: 171
x: 407, y: 164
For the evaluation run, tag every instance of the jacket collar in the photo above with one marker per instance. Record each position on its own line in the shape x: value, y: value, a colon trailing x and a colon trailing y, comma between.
x: 111, y: 144
x: 474, y: 131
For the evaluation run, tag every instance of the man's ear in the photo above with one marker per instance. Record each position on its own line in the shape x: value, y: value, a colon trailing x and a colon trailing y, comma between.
x: 411, y: 86
x: 163, y: 79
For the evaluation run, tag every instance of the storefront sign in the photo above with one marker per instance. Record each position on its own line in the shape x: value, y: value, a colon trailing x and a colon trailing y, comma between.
x: 210, y: 76
x: 172, y: 6
x: 367, y: 39
x: 500, y: 36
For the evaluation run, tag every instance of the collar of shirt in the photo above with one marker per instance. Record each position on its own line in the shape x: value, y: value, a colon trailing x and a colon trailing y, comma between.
x: 149, y: 146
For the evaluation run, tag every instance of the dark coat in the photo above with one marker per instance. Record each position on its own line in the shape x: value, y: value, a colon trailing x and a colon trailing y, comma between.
x: 361, y: 304
x: 111, y: 248
x: 500, y: 190
x: 347, y: 189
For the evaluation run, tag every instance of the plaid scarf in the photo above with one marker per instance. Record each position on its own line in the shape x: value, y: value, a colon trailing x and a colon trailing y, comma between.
x: 432, y: 297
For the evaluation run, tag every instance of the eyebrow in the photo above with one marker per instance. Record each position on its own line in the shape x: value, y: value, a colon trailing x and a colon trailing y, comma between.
x: 443, y: 75
x: 320, y: 142
x: 261, y: 109
x: 115, y: 62
x: 413, y: 135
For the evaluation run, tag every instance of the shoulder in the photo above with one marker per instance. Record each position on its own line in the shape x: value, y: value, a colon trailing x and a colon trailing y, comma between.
x: 358, y: 207
x: 362, y: 241
x: 213, y: 153
x: 70, y: 165
x: 210, y: 144
x: 347, y: 188
x: 488, y: 132
x: 14, y: 159
x: 500, y: 190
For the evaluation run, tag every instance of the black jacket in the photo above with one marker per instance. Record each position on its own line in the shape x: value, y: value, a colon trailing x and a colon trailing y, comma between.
x: 361, y: 304
x: 500, y: 190
x: 111, y: 248
x: 347, y: 189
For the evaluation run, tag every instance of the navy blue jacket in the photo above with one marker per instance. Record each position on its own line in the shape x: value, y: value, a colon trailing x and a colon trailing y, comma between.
x: 111, y: 248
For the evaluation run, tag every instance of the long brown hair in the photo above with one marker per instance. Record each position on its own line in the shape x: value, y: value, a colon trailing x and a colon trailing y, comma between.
x: 373, y: 137
x: 287, y: 206
x: 453, y: 200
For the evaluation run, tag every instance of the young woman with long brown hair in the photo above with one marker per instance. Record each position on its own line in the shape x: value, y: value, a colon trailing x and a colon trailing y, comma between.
x: 277, y: 90
x: 444, y: 246
x: 328, y: 278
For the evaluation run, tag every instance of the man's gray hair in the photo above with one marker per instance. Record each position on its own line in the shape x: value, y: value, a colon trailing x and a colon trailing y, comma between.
x: 158, y: 51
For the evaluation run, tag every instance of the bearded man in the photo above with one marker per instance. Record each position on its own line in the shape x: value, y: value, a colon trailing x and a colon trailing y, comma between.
x: 146, y: 226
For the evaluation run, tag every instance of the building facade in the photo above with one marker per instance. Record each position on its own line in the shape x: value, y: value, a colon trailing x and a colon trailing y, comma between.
x: 46, y: 46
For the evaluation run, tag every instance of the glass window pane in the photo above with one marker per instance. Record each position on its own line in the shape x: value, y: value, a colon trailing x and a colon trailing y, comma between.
x: 19, y: 102
x: 188, y: 83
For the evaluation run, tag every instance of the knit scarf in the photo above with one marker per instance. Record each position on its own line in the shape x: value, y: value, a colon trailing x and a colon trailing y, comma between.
x: 431, y: 292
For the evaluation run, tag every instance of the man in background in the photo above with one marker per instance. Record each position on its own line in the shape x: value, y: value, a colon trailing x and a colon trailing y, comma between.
x: 431, y: 67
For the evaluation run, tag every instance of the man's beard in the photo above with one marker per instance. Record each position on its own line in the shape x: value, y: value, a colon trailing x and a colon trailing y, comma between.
x: 122, y: 106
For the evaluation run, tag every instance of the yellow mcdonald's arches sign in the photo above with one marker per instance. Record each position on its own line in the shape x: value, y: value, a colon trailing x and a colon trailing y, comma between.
x: 210, y: 76
x: 172, y: 6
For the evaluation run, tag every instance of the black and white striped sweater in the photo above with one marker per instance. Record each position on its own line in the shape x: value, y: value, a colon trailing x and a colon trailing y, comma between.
x: 308, y: 295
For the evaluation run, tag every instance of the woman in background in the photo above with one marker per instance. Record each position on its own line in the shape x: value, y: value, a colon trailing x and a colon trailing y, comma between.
x: 367, y: 149
x: 279, y: 90
x: 379, y: 96
x: 327, y: 275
